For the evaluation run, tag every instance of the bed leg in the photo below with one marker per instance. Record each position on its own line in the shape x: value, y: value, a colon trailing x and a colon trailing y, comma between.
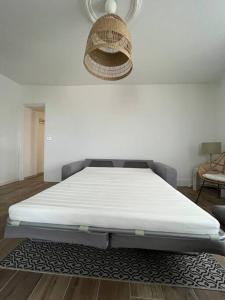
x: 199, y: 193
x: 218, y: 191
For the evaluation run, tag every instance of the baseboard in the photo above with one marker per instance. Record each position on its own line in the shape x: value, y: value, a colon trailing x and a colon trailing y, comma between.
x: 33, y: 176
x: 8, y: 181
x: 184, y: 182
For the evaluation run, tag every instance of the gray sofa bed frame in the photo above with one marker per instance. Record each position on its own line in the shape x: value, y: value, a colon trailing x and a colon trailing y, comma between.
x: 114, y: 238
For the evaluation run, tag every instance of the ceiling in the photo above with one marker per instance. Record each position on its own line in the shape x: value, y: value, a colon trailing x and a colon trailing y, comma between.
x: 175, y: 41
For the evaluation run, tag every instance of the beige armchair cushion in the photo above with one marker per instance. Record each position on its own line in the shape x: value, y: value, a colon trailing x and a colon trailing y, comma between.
x: 215, y: 177
x: 214, y: 172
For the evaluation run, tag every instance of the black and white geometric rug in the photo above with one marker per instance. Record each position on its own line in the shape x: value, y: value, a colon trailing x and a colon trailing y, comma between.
x: 147, y: 266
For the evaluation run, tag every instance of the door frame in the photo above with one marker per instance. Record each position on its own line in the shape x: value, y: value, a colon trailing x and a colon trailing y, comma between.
x: 21, y: 136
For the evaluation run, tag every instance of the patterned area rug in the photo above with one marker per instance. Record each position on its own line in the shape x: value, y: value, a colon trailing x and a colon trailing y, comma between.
x: 147, y: 266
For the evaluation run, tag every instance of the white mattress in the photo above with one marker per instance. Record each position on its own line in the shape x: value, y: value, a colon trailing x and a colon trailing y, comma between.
x: 119, y: 198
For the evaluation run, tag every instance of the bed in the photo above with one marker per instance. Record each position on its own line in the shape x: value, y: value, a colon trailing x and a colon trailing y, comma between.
x: 127, y: 204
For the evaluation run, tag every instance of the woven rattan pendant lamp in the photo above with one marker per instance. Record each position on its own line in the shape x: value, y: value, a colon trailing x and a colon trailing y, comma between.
x: 108, y: 51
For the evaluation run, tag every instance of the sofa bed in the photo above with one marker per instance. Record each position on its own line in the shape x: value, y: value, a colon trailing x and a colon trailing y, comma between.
x: 110, y: 203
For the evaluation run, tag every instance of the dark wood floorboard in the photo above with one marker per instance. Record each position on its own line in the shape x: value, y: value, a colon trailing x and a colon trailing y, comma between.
x: 18, y: 285
x: 6, y: 245
x: 5, y: 277
x: 112, y: 290
x: 82, y: 289
x: 206, y: 295
x: 50, y: 287
x: 178, y: 293
x: 146, y: 291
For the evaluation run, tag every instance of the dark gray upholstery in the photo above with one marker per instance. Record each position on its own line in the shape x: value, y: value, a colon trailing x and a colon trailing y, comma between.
x: 55, y: 234
x: 167, y: 173
x: 101, y: 163
x: 110, y: 238
x: 176, y: 243
x: 118, y: 163
x: 72, y: 168
x: 219, y: 214
x: 136, y: 164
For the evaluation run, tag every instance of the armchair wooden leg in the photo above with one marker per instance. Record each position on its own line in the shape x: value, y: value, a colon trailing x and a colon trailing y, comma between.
x: 218, y: 190
x: 199, y: 193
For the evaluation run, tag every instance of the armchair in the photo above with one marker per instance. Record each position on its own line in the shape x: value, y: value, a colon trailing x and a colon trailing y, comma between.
x: 213, y: 173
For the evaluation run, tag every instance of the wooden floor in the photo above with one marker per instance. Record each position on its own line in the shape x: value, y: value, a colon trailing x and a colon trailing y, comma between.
x: 18, y: 285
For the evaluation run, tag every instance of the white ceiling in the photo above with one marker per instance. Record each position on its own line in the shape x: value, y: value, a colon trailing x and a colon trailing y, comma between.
x: 174, y: 41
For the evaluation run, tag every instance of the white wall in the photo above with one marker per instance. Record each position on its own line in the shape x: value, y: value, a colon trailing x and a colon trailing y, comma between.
x: 10, y: 109
x: 161, y: 122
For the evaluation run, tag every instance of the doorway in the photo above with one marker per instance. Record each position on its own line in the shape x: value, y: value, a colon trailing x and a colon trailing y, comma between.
x: 33, y: 141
